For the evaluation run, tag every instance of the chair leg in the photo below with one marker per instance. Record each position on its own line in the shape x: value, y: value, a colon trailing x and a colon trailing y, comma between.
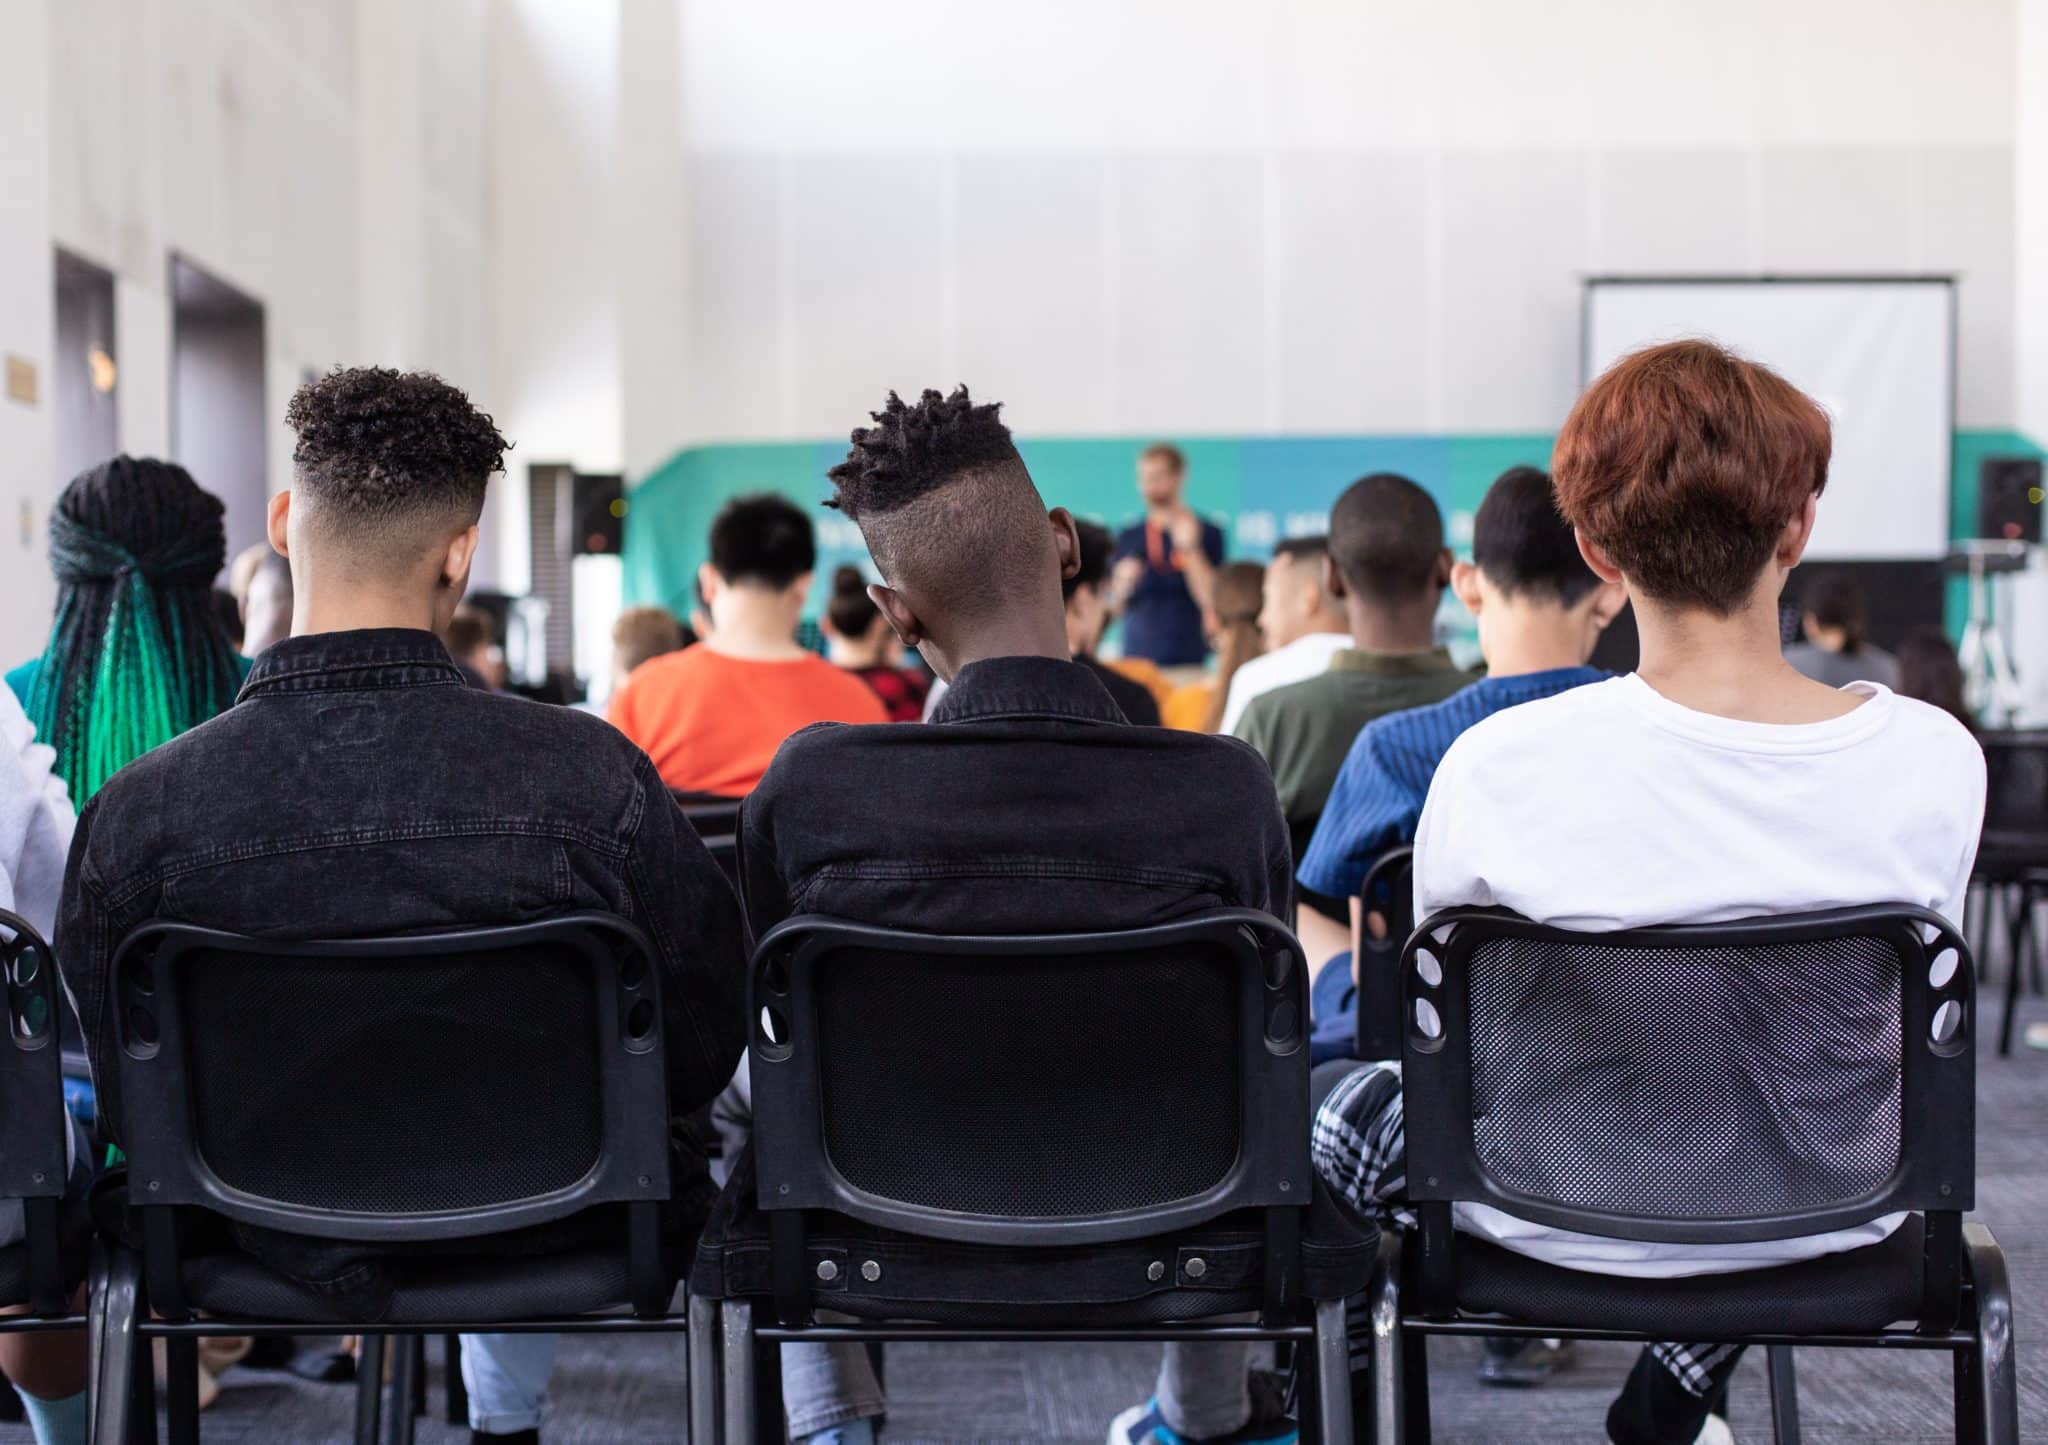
x: 2016, y: 907
x: 737, y: 1346
x: 419, y: 1375
x: 142, y: 1390
x: 369, y: 1388
x: 404, y: 1353
x: 1389, y: 1375
x: 113, y: 1342
x: 181, y: 1391
x: 1784, y: 1394
x: 456, y: 1410
x: 1333, y: 1373
x: 1995, y: 1406
x: 703, y: 1371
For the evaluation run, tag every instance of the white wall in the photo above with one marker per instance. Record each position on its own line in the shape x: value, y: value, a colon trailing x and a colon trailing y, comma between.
x: 26, y: 327
x: 2030, y: 175
x: 1209, y: 217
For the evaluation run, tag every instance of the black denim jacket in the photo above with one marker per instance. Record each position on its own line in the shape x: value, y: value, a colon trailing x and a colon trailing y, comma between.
x: 358, y: 786
x: 1025, y: 805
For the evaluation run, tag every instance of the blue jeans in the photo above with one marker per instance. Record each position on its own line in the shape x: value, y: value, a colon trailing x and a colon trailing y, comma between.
x: 507, y: 1380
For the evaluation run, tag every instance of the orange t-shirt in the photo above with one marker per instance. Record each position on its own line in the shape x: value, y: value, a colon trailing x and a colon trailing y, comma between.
x: 712, y: 723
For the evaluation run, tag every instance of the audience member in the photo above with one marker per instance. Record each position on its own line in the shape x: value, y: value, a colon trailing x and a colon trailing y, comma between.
x: 471, y: 638
x: 1714, y: 783
x: 136, y: 654
x: 1837, y: 650
x: 857, y: 638
x: 972, y: 567
x: 261, y: 582
x: 1231, y: 621
x: 264, y: 819
x: 227, y: 613
x: 1165, y: 565
x: 1930, y: 672
x: 1302, y: 622
x: 712, y: 715
x: 1087, y: 605
x: 1388, y: 567
x: 640, y: 634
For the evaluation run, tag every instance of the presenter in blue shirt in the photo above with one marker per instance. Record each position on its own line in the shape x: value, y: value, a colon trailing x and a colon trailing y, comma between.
x: 1165, y: 566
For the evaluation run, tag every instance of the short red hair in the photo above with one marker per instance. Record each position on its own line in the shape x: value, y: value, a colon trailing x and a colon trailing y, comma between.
x: 1684, y: 462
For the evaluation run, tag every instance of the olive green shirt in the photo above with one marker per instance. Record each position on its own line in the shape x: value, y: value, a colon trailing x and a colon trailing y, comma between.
x: 1304, y: 730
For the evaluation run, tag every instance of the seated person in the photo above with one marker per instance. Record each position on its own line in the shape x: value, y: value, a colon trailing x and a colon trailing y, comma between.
x: 857, y: 638
x: 641, y: 634
x: 1836, y: 648
x: 1231, y: 623
x: 712, y: 715
x: 1302, y: 624
x: 1087, y: 596
x: 360, y: 787
x: 471, y: 638
x: 972, y: 567
x: 260, y: 581
x: 1714, y: 783
x: 1387, y: 566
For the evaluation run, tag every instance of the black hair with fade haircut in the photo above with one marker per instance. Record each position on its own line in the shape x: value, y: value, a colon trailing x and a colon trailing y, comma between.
x: 945, y: 503
x: 1387, y: 538
x: 1523, y: 544
x: 382, y: 454
x: 1097, y: 548
x: 763, y: 539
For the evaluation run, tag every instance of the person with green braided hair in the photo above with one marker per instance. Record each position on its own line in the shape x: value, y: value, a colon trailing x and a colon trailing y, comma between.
x: 136, y: 654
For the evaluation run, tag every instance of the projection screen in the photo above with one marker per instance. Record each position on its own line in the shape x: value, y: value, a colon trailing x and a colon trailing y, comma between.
x: 1879, y: 354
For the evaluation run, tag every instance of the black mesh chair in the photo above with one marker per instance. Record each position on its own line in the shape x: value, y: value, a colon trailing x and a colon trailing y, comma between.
x: 1712, y: 1084
x: 1389, y: 891
x: 45, y: 1266
x: 2012, y: 859
x: 1067, y: 1137
x: 421, y: 1095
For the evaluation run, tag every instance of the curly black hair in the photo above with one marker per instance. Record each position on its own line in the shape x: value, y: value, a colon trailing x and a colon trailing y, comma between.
x: 378, y: 445
x: 913, y: 449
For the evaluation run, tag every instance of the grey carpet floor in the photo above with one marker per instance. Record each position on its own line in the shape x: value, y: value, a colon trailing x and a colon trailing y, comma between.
x: 630, y: 1390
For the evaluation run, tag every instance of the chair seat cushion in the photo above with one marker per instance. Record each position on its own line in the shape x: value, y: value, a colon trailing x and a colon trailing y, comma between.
x: 1857, y: 1290
x: 946, y: 1282
x: 473, y: 1288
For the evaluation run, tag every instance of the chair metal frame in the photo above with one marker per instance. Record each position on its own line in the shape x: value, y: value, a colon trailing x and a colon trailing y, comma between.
x: 2012, y: 872
x: 168, y: 1171
x: 1378, y: 962
x: 1271, y: 1174
x: 1966, y: 1298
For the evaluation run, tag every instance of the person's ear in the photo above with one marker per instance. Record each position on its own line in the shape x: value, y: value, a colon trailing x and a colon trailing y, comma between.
x: 455, y: 563
x: 1333, y: 578
x: 1465, y: 582
x: 1798, y: 532
x: 902, y: 621
x: 1066, y: 540
x: 278, y: 523
x: 1597, y: 558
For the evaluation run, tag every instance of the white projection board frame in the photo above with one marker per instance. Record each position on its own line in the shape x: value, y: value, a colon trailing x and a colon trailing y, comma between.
x: 1937, y: 545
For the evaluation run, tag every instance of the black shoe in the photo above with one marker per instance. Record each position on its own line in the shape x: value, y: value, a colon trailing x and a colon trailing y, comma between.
x: 517, y: 1437
x: 323, y: 1367
x: 1522, y: 1363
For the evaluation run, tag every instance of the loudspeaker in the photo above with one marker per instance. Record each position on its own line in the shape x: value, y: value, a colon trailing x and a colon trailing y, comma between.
x: 2009, y: 499
x: 599, y: 508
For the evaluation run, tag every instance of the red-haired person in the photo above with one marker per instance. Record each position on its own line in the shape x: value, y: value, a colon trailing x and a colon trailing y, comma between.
x: 1714, y: 783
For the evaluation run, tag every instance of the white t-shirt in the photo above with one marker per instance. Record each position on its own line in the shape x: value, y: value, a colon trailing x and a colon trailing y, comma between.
x: 36, y: 820
x: 1610, y: 807
x: 1298, y: 661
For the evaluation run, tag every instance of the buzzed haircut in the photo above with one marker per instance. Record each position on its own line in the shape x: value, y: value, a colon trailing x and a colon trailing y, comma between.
x: 1097, y: 549
x: 1303, y: 549
x: 387, y: 462
x: 1387, y: 538
x: 945, y: 503
x: 1175, y: 459
x: 763, y: 539
x: 1523, y: 543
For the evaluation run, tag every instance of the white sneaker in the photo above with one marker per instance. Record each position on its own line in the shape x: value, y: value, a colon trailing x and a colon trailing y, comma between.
x: 1714, y: 1432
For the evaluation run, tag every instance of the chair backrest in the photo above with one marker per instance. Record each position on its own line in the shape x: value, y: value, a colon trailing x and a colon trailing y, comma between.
x: 1037, y: 1090
x: 33, y: 1124
x: 1712, y: 1083
x: 2016, y: 787
x: 1388, y: 890
x: 408, y: 1088
x: 711, y: 815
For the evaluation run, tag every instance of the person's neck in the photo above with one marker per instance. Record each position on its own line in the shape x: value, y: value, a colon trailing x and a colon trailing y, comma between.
x: 1322, y: 624
x: 1162, y: 514
x: 315, y: 610
x: 1393, y: 630
x: 1015, y: 637
x: 1538, y: 639
x: 841, y: 652
x: 755, y: 626
x: 1731, y: 667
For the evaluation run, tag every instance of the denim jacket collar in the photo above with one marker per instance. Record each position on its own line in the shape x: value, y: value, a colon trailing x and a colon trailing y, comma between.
x: 344, y: 661
x: 1034, y: 687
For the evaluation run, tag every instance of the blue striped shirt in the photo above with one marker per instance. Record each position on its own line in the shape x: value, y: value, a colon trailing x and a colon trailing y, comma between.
x: 1378, y: 797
